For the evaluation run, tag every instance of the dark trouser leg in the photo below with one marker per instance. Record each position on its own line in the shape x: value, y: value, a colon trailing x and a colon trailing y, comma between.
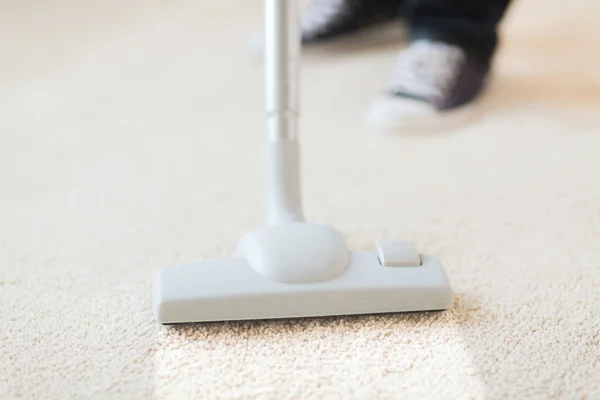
x: 471, y: 24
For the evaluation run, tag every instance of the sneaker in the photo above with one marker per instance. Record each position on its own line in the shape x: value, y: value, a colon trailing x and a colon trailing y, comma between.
x: 330, y: 19
x: 434, y: 86
x: 372, y: 21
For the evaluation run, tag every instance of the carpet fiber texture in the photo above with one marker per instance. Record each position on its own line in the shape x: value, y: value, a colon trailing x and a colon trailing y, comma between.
x: 131, y: 139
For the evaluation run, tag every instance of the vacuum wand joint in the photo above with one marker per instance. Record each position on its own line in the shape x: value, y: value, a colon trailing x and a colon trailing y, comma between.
x: 282, y: 58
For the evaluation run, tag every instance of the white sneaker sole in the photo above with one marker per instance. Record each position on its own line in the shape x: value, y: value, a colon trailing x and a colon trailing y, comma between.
x: 397, y: 115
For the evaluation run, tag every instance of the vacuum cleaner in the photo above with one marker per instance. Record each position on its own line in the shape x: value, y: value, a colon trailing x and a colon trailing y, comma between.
x: 291, y: 267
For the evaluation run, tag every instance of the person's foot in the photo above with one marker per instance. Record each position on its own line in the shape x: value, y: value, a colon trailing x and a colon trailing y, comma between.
x: 433, y: 86
x: 330, y: 19
x: 324, y: 21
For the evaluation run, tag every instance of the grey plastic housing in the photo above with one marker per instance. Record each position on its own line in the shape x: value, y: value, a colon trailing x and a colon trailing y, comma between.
x: 230, y: 289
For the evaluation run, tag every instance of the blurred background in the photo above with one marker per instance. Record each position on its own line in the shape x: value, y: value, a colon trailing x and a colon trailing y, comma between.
x: 131, y: 138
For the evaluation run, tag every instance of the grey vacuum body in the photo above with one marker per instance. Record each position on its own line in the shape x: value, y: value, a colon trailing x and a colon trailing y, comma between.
x: 292, y: 268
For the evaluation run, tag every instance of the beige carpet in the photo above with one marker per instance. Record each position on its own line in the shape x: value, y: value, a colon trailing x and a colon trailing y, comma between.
x: 130, y: 139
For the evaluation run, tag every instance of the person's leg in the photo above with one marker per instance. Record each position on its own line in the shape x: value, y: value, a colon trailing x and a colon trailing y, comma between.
x: 330, y: 19
x: 447, y: 63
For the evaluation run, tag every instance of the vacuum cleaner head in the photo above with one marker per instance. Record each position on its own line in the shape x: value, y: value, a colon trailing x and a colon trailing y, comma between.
x: 301, y: 270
